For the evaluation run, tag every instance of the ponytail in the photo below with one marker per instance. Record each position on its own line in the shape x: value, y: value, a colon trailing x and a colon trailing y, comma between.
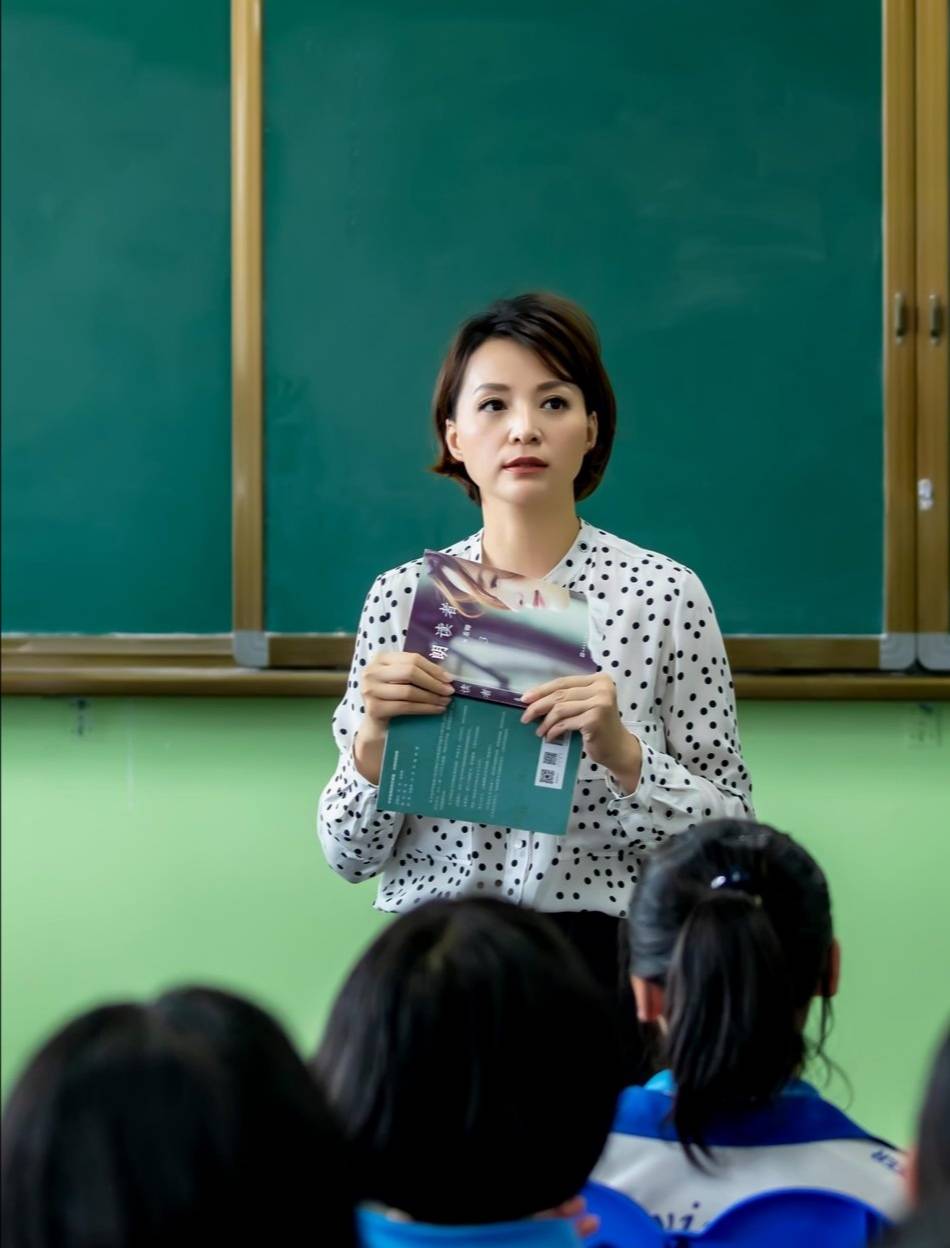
x: 732, y: 1037
x: 733, y: 920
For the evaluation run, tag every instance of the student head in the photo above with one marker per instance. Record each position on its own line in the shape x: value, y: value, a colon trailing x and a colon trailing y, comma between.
x: 473, y: 1063
x: 929, y: 1171
x: 184, y: 1122
x: 524, y: 379
x: 730, y: 939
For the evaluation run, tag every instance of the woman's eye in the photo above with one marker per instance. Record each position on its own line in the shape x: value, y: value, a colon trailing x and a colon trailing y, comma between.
x: 491, y: 405
x: 559, y: 403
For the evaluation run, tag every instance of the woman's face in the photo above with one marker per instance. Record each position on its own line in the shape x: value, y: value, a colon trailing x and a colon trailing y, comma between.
x: 520, y: 432
x: 524, y: 593
x: 517, y: 593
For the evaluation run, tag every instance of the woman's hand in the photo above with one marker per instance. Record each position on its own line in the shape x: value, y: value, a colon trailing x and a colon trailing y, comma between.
x: 403, y: 684
x: 587, y: 704
x: 395, y: 684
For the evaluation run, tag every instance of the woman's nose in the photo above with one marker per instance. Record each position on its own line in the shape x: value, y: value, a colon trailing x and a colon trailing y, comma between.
x: 523, y: 426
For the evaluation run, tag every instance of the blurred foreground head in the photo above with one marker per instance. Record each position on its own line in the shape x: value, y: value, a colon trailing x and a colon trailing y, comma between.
x: 473, y: 1063
x: 189, y: 1120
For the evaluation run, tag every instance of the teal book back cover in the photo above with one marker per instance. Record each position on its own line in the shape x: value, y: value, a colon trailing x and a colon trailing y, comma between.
x: 479, y: 763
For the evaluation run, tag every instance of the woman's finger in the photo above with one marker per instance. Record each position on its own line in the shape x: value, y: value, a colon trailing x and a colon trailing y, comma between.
x: 389, y: 710
x: 387, y: 692
x: 540, y: 708
x: 562, y: 682
x: 565, y: 710
x: 420, y: 666
x: 576, y: 724
x: 408, y: 672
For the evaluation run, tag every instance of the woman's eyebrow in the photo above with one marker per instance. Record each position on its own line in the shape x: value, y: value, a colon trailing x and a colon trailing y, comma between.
x: 544, y: 385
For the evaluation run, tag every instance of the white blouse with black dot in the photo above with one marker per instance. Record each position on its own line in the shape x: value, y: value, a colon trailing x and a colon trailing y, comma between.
x: 652, y: 628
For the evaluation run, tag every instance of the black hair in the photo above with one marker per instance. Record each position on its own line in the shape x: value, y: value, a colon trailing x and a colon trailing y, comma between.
x: 933, y: 1131
x: 184, y: 1122
x: 474, y: 1063
x: 733, y: 920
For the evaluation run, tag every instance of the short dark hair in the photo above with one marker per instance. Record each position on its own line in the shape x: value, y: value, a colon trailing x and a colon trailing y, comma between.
x: 733, y: 919
x: 187, y: 1121
x: 473, y: 1062
x: 564, y: 337
x: 933, y: 1131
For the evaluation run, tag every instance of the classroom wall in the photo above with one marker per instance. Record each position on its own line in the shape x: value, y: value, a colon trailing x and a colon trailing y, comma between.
x: 153, y: 841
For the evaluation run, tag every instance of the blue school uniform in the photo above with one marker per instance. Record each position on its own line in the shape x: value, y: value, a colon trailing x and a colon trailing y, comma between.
x: 376, y: 1230
x: 799, y: 1140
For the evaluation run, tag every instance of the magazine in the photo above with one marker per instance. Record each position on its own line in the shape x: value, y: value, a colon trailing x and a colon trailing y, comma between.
x: 496, y: 635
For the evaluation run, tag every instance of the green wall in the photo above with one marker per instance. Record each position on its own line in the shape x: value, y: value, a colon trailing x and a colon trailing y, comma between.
x: 148, y: 842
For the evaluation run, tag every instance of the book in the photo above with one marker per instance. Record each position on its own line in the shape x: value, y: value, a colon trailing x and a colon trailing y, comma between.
x: 496, y: 635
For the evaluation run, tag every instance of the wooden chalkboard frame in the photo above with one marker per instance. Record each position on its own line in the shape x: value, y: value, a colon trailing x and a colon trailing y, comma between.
x: 933, y: 352
x: 895, y: 649
x: 205, y: 667
x: 916, y: 562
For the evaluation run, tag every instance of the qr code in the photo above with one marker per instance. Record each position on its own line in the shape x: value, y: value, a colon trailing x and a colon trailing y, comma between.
x: 552, y: 759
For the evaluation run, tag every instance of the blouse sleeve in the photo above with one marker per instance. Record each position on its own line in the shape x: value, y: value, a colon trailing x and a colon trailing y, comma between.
x: 699, y: 774
x: 357, y: 838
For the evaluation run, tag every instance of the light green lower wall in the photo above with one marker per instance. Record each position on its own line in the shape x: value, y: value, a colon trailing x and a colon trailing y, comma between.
x: 148, y: 842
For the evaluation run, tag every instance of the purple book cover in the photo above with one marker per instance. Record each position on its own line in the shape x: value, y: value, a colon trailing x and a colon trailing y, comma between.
x: 495, y: 633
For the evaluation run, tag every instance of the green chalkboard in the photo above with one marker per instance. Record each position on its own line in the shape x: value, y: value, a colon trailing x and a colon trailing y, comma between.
x: 704, y: 178
x: 115, y: 317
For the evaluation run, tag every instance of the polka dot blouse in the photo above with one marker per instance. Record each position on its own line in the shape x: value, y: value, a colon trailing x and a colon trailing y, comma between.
x: 652, y: 628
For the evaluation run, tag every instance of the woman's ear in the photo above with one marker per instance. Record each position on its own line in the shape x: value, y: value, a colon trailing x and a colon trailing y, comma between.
x: 452, y: 440
x: 592, y: 427
x: 650, y: 998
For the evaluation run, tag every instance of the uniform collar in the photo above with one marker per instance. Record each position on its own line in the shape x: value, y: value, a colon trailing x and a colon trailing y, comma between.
x: 664, y: 1082
x: 797, y: 1115
x: 376, y: 1230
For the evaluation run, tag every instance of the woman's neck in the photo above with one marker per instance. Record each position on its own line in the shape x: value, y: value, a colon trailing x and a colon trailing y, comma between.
x: 530, y: 543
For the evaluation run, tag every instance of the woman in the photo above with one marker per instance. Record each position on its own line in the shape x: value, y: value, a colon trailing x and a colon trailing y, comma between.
x: 182, y: 1123
x: 731, y: 941
x: 473, y: 1064
x: 525, y: 414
